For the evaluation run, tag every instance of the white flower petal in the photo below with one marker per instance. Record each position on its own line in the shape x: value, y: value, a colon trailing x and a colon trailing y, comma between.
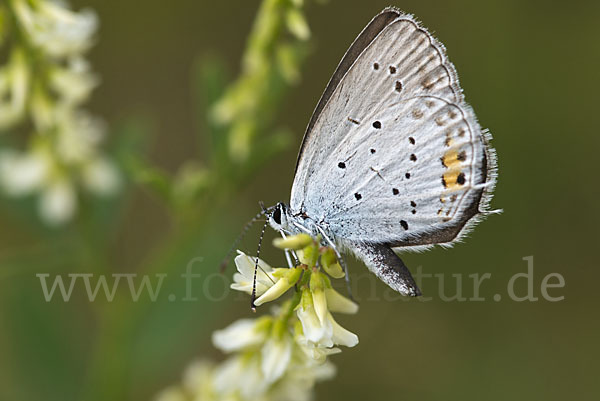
x: 251, y: 381
x: 320, y: 303
x: 342, y: 336
x: 198, y: 380
x: 274, y: 292
x: 228, y: 374
x: 240, y: 374
x: 54, y: 29
x: 244, y: 279
x: 58, y: 202
x: 72, y: 84
x: 339, y: 303
x: 101, y: 177
x: 314, y: 330
x: 240, y: 283
x: 286, y: 278
x: 276, y: 355
x: 21, y: 174
x: 313, y: 351
x: 240, y: 334
x: 245, y: 264
x: 78, y: 135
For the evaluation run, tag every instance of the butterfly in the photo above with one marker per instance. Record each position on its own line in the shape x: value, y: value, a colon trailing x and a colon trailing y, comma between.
x: 393, y: 158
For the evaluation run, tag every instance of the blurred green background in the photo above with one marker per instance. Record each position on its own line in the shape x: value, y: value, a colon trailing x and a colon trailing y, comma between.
x: 530, y: 69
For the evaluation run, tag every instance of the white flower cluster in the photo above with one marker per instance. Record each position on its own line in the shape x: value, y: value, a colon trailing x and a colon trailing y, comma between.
x: 42, y: 86
x: 279, y: 356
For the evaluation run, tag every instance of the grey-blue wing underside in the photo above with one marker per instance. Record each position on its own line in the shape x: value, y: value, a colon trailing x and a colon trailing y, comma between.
x: 393, y: 154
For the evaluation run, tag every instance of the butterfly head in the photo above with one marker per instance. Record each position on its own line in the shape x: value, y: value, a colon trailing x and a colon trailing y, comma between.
x: 279, y: 218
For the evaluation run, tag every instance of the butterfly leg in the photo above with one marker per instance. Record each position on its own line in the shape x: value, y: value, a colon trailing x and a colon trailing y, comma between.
x: 383, y: 261
x: 340, y: 259
x: 289, y: 254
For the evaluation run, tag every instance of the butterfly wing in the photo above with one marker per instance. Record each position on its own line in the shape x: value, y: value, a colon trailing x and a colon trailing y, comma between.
x: 393, y: 156
x: 392, y: 153
x: 383, y: 261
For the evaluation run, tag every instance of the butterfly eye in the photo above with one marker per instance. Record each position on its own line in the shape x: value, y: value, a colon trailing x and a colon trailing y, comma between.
x: 277, y: 215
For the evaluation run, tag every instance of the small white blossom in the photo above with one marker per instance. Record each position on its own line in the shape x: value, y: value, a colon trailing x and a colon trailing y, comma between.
x: 276, y: 354
x: 58, y: 202
x: 198, y: 380
x: 63, y: 153
x: 23, y: 173
x: 242, y: 281
x: 100, y: 177
x: 298, y: 382
x: 286, y: 278
x: 241, y: 374
x: 241, y: 334
x: 324, y: 331
x: 54, y: 28
x: 313, y: 350
x: 341, y: 336
x: 79, y: 135
x: 74, y: 82
x: 282, y: 355
x: 270, y: 283
x: 317, y: 290
x: 315, y: 330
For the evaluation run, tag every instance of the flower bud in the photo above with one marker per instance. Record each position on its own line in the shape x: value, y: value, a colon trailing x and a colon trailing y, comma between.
x: 295, y: 242
x: 287, y: 278
x: 331, y: 265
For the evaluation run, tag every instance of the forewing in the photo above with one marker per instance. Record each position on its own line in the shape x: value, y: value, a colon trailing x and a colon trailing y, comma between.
x: 393, y: 154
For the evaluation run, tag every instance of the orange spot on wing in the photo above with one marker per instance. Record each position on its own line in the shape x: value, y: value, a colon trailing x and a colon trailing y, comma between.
x: 451, y: 159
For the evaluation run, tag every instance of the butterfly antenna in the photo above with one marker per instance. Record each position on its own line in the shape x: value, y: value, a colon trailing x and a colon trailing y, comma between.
x: 241, y: 236
x: 262, y: 234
